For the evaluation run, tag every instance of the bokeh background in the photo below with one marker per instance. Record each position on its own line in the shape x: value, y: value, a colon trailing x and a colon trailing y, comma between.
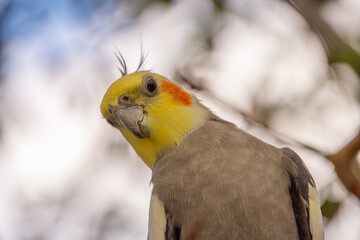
x: 285, y: 71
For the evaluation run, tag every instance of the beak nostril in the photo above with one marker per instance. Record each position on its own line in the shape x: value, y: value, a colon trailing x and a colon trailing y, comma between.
x: 124, y: 99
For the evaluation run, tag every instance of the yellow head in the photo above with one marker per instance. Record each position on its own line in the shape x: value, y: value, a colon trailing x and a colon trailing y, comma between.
x: 152, y: 112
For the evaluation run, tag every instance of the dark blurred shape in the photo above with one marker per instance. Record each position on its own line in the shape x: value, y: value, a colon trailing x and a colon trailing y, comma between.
x: 219, y: 4
x: 329, y: 209
x: 263, y: 112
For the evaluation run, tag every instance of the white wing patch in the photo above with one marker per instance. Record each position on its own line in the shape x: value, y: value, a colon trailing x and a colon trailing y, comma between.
x: 316, y: 225
x: 157, y: 219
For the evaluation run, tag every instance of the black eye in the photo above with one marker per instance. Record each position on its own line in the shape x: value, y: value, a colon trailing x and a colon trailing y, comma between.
x: 151, y: 85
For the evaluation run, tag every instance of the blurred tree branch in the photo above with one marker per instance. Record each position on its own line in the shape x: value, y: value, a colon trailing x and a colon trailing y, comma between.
x: 337, y: 50
x: 248, y: 117
x: 343, y: 160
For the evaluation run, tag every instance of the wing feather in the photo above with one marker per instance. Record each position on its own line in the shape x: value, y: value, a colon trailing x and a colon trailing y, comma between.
x: 157, y: 219
x: 316, y: 224
x: 305, y: 200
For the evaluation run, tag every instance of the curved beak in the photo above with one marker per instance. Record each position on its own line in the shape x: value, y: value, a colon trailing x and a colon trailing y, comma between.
x: 133, y: 118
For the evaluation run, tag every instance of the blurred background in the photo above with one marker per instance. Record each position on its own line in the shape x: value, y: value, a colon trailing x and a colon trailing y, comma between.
x: 285, y: 71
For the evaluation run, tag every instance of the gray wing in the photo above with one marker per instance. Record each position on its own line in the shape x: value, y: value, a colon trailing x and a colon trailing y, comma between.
x: 305, y: 201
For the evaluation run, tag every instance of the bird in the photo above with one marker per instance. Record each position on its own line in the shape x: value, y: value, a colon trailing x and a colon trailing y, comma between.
x: 211, y: 180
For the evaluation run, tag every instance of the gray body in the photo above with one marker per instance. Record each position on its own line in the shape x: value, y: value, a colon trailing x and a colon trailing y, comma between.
x: 222, y: 183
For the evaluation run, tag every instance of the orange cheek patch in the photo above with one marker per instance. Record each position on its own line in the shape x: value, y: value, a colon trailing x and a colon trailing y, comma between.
x: 176, y: 93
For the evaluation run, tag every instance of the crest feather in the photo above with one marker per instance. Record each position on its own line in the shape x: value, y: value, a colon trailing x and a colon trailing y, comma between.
x: 123, y: 67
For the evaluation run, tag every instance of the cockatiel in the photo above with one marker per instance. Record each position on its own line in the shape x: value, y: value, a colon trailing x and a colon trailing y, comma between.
x: 211, y: 180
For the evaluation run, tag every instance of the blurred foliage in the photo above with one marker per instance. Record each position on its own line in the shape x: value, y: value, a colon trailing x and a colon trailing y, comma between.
x: 219, y: 4
x: 329, y: 209
x: 264, y: 112
x: 344, y: 53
